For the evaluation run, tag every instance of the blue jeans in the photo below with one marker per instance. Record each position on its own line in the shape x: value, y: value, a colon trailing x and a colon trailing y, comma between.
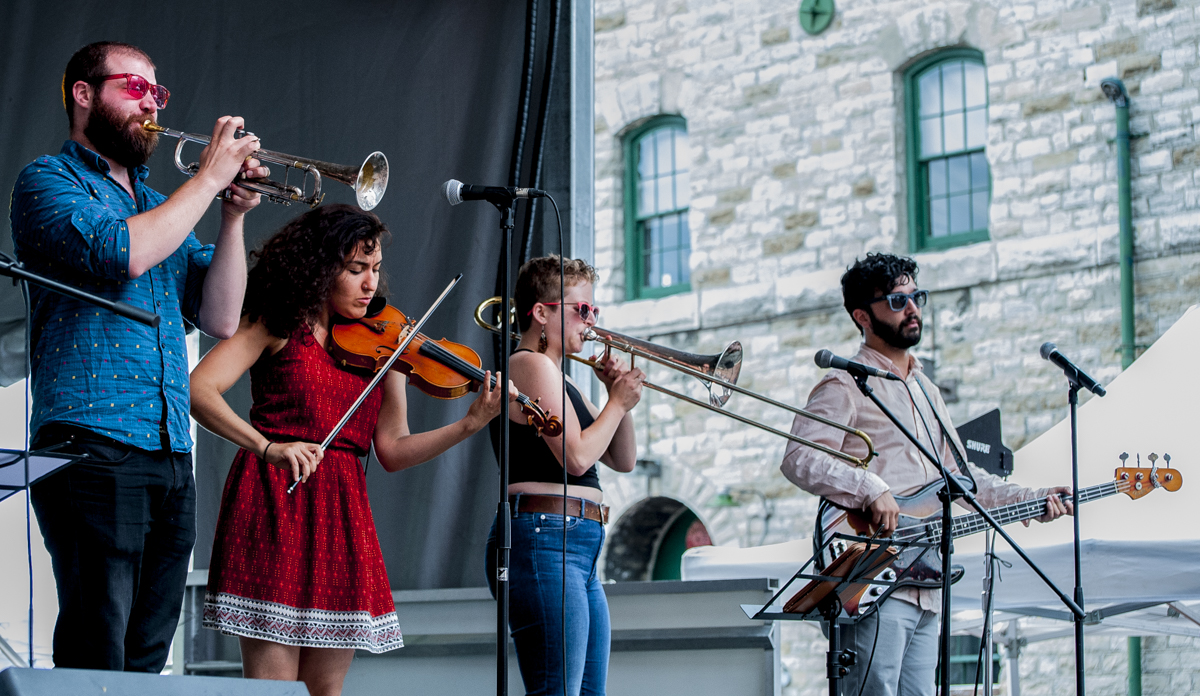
x: 119, y: 527
x: 536, y: 605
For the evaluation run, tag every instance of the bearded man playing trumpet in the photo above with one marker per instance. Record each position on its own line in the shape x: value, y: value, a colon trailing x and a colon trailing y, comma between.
x: 120, y: 524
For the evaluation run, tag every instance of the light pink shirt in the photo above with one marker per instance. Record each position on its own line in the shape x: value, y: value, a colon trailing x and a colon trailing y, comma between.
x: 898, y: 466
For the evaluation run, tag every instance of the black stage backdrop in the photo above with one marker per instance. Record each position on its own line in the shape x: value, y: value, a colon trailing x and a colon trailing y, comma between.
x: 434, y: 84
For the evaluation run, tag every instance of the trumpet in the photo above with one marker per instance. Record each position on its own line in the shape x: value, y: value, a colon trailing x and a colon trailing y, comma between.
x: 720, y: 371
x: 369, y: 181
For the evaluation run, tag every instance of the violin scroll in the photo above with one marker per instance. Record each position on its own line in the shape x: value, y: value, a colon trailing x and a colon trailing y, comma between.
x: 535, y: 415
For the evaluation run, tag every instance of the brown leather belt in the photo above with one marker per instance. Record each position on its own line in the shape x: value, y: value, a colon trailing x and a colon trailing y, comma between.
x: 553, y: 504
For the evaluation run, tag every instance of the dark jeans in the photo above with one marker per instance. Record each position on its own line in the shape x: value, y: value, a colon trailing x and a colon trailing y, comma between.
x: 536, y: 605
x: 119, y: 527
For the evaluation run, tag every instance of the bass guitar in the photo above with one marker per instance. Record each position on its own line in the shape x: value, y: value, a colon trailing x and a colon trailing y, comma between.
x: 921, y: 521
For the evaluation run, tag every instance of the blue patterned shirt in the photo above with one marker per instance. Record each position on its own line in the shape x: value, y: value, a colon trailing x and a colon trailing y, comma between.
x: 93, y: 368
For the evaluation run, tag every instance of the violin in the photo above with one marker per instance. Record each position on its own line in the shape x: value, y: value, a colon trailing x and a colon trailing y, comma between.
x: 441, y: 368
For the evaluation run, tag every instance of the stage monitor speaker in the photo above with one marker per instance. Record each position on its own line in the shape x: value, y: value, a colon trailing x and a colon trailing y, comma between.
x: 985, y: 449
x: 23, y: 681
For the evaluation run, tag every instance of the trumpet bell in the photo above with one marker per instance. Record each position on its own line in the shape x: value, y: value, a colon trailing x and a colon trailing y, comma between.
x: 369, y: 181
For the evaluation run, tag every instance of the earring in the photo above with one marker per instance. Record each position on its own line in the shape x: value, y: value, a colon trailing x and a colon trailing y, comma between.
x: 542, y: 343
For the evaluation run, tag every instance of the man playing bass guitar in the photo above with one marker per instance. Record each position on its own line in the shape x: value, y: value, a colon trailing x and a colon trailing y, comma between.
x: 880, y: 294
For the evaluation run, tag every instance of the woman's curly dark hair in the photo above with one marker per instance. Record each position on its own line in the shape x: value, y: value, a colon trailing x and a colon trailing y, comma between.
x: 876, y: 273
x: 295, y: 269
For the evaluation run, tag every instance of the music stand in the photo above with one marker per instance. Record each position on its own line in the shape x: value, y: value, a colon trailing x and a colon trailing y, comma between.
x: 842, y: 583
x: 42, y: 463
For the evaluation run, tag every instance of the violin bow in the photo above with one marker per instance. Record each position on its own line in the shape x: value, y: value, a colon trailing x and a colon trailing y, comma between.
x: 413, y: 330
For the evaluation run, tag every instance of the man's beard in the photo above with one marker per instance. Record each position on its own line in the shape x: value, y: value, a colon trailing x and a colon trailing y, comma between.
x: 897, y: 338
x: 128, y: 147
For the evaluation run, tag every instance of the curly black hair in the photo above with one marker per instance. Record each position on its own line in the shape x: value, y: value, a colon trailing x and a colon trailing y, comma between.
x: 877, y: 273
x: 295, y: 269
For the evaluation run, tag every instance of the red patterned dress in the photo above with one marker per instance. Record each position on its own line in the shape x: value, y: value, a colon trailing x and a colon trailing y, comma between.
x: 303, y: 569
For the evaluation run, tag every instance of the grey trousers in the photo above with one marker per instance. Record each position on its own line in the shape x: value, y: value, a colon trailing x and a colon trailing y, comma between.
x: 905, y: 652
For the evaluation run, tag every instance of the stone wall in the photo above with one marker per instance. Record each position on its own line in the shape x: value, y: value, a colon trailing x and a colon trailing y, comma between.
x: 798, y: 167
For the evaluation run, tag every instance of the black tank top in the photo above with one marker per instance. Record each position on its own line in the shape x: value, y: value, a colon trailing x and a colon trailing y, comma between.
x: 532, y: 459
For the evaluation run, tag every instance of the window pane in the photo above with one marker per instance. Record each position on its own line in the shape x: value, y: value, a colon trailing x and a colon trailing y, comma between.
x: 683, y: 156
x: 646, y: 198
x: 929, y: 93
x: 685, y: 249
x: 976, y: 128
x: 646, y: 157
x: 939, y: 225
x: 665, y: 159
x: 937, y: 177
x: 931, y: 137
x: 954, y: 132
x: 654, y: 241
x: 670, y: 233
x: 979, y: 172
x: 976, y: 80
x: 653, y: 270
x: 960, y: 214
x: 651, y: 243
x: 683, y: 190
x: 666, y: 197
x: 670, y: 269
x: 959, y: 179
x: 979, y: 210
x: 952, y: 87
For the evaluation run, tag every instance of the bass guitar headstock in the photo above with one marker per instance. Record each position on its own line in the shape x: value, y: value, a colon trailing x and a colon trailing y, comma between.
x: 1137, y: 481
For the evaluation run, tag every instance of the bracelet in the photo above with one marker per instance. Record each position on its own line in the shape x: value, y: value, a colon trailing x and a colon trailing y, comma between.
x: 264, y: 454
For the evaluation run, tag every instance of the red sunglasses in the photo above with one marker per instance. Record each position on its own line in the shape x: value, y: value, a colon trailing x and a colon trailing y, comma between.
x: 586, y: 310
x: 137, y: 87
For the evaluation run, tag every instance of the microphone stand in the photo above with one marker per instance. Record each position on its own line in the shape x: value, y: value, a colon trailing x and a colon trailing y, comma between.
x: 952, y: 490
x: 12, y: 268
x: 1073, y: 400
x: 507, y: 207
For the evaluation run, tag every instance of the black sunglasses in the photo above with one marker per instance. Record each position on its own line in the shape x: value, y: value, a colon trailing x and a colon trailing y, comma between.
x: 898, y: 300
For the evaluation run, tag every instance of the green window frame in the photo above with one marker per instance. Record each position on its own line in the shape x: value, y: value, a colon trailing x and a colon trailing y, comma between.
x: 949, y: 179
x: 657, y: 199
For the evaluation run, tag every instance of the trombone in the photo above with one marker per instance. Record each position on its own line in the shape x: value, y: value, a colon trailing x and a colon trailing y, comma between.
x: 720, y: 370
x: 368, y: 181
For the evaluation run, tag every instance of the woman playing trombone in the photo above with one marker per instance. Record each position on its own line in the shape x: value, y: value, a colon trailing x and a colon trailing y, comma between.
x: 554, y: 319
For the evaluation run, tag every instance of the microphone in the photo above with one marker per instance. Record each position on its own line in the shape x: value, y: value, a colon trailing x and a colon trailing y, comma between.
x: 457, y: 192
x: 826, y: 359
x: 1075, y: 375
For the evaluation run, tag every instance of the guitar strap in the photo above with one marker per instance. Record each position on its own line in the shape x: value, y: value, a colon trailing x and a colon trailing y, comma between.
x: 963, y: 469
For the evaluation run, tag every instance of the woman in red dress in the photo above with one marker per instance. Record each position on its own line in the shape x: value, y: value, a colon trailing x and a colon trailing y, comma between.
x: 300, y: 577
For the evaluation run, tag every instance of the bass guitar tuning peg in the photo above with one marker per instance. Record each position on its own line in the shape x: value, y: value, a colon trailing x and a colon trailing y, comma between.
x: 1123, y: 457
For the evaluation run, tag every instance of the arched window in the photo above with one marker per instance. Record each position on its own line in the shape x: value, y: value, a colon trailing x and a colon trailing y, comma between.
x: 657, y: 194
x: 948, y: 178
